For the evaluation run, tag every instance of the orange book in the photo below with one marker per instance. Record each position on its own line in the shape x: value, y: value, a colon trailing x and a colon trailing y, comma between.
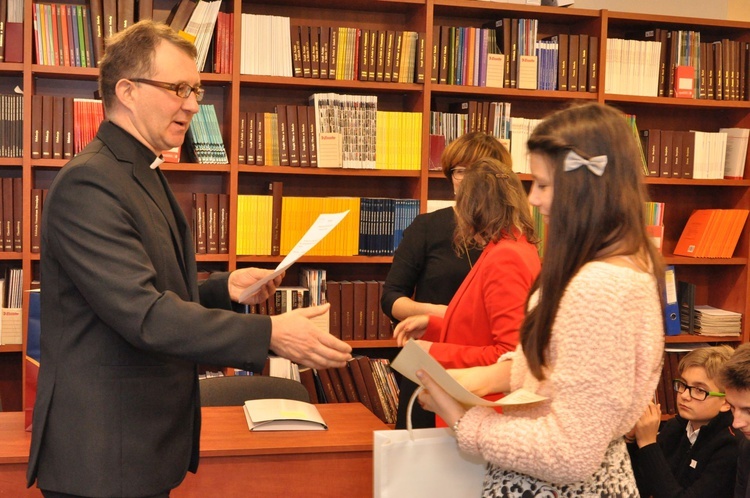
x: 711, y: 233
x: 693, y: 233
x: 739, y: 217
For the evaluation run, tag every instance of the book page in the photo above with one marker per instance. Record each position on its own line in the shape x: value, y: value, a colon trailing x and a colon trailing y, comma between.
x: 412, y: 358
x: 282, y: 415
x: 322, y: 227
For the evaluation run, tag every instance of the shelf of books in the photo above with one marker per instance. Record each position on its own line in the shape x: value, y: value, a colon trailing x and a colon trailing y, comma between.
x: 331, y: 105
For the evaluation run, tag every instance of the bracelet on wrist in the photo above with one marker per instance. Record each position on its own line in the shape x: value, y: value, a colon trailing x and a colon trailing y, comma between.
x: 456, y: 424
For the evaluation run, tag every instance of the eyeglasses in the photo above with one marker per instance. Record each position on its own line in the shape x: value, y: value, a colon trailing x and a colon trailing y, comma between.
x: 695, y: 392
x: 183, y: 90
x: 458, y: 172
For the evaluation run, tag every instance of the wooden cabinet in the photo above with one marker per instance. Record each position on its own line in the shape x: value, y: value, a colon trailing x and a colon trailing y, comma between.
x: 722, y: 283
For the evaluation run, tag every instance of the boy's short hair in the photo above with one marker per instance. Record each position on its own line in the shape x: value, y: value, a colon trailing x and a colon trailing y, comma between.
x: 710, y: 359
x: 735, y: 373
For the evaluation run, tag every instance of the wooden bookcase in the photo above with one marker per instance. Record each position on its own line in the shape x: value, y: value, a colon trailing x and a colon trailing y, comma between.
x: 722, y: 283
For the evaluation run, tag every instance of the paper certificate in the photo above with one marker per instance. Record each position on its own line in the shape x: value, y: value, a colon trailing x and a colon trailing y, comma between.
x: 322, y: 226
x: 413, y: 358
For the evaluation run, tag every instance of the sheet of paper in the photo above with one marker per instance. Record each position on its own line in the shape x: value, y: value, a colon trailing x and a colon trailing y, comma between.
x: 413, y: 358
x: 322, y: 227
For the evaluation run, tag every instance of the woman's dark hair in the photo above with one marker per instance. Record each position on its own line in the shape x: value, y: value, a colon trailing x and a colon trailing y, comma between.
x: 591, y: 217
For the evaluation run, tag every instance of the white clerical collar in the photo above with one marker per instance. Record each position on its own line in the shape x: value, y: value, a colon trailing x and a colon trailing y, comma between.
x: 157, y: 162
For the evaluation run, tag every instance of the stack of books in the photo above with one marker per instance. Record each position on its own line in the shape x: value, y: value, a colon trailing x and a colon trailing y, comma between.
x: 715, y: 321
x: 204, y: 137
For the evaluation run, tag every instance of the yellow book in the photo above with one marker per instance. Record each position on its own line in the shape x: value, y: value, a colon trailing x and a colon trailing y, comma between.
x: 241, y: 225
x: 341, y: 52
x: 380, y: 141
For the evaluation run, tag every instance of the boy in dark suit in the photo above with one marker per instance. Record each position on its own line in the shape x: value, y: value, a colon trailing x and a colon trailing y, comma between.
x: 735, y: 376
x: 695, y: 453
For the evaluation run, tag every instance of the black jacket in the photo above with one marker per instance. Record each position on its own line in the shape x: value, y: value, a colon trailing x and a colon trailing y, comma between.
x: 674, y: 468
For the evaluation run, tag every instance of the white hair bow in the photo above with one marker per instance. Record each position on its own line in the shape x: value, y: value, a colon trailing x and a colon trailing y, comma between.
x: 596, y: 164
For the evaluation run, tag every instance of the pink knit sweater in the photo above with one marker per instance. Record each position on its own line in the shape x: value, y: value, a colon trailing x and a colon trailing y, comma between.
x: 604, y: 361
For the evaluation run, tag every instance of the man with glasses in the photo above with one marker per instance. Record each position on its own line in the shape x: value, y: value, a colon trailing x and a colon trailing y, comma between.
x: 695, y: 453
x: 735, y: 375
x: 124, y: 322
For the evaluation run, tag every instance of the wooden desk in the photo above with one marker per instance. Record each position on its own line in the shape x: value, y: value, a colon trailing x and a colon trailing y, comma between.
x: 237, y: 463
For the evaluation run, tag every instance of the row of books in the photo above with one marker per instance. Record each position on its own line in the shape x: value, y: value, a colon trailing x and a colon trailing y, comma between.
x: 11, y: 27
x: 62, y: 126
x: 369, y: 381
x: 344, y: 53
x: 373, y: 226
x: 711, y: 233
x: 355, y: 313
x: 336, y: 131
x: 210, y: 223
x: 11, y: 125
x: 468, y: 56
x: 223, y: 44
x: 62, y: 35
x: 696, y: 154
x: 203, y: 141
x: 676, y: 63
x: 264, y: 139
x: 200, y: 28
x: 52, y: 127
x: 11, y: 214
x: 704, y: 319
x: 632, y: 67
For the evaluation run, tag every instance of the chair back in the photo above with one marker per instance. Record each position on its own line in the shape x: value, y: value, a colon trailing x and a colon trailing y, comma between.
x: 234, y: 390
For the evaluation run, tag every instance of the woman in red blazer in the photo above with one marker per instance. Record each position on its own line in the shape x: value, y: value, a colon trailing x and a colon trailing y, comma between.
x: 484, y: 316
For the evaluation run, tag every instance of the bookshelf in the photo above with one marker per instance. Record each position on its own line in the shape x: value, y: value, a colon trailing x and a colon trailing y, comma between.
x: 722, y: 283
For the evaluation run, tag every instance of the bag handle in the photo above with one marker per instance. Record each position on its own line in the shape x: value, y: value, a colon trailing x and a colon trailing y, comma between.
x: 409, y: 407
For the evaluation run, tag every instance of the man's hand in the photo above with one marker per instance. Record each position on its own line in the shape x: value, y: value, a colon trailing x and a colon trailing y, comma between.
x: 241, y: 279
x: 296, y: 337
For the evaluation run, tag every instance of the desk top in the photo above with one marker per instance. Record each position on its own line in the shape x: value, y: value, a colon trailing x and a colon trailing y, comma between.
x: 224, y: 433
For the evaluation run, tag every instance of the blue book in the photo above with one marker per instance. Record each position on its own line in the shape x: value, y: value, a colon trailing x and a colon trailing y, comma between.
x: 672, y: 306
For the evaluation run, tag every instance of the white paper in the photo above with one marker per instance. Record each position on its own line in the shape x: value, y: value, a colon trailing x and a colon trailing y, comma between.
x: 322, y: 226
x: 412, y: 358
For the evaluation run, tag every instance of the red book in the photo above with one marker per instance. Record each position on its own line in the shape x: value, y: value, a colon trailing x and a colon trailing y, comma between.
x: 684, y: 78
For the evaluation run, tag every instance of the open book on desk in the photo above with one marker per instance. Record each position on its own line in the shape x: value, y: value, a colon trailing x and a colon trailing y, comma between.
x: 412, y: 358
x: 282, y: 415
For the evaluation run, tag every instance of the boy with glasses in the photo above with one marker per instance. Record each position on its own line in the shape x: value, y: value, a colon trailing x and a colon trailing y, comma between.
x: 695, y: 453
x: 735, y: 376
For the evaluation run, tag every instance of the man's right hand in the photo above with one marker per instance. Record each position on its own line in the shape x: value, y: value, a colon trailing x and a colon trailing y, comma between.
x: 296, y: 337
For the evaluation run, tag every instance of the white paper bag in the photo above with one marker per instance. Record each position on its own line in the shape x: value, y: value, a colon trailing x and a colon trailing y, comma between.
x: 416, y: 463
